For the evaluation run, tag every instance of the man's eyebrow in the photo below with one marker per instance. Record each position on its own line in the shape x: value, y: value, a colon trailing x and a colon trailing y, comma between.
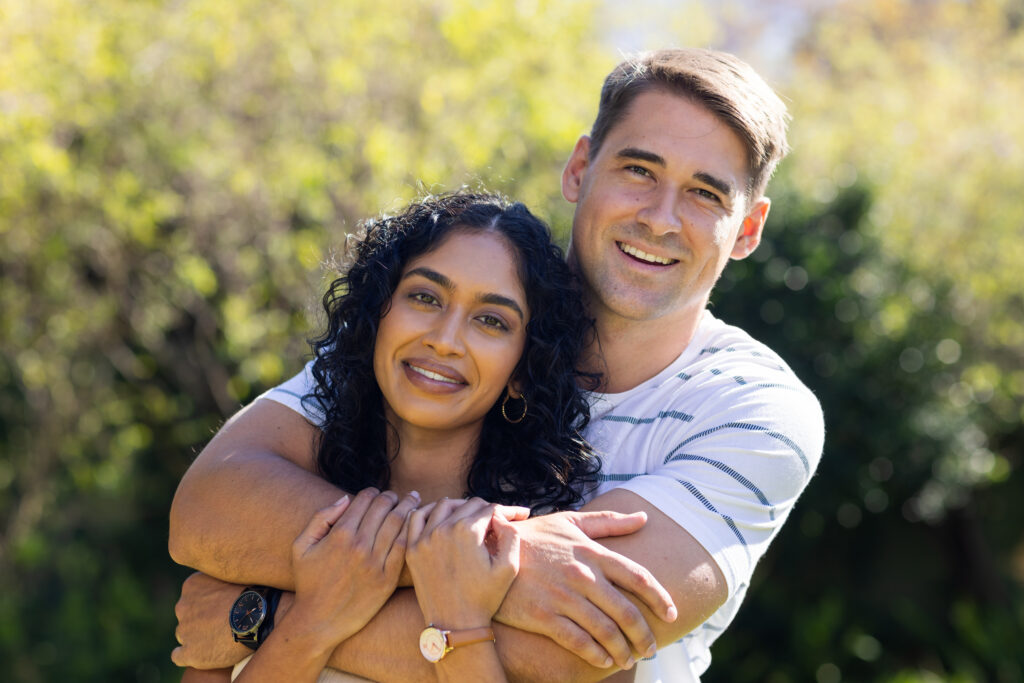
x: 721, y: 185
x: 641, y: 154
x: 444, y: 281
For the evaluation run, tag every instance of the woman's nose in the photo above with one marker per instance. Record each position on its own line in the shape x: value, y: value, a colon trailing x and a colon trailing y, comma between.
x: 445, y: 336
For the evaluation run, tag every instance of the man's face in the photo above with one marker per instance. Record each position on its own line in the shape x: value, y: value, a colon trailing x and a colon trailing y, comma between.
x: 660, y: 209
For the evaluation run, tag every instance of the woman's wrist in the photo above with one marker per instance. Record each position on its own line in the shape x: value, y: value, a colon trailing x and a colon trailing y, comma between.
x: 457, y: 619
x: 321, y: 632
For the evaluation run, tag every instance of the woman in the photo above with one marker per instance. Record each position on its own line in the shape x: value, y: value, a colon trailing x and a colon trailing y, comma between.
x: 448, y: 368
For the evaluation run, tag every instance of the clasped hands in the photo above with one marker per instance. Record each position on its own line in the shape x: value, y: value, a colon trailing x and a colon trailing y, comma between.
x: 566, y: 585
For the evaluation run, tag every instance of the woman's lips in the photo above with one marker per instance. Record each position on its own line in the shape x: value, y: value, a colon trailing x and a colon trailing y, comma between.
x: 432, y: 377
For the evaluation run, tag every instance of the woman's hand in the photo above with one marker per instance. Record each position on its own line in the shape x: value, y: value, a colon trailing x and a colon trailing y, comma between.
x: 463, y: 556
x: 347, y: 562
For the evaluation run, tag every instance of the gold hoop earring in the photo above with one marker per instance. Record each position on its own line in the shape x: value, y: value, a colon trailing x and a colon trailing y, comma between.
x: 505, y: 414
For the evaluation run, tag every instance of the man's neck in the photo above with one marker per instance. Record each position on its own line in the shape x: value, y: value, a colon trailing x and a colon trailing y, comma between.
x: 630, y: 352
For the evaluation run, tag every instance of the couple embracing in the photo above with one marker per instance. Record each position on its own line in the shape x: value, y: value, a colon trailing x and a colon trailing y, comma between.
x: 502, y: 464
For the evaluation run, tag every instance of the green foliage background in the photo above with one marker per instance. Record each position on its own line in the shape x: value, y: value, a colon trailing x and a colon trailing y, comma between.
x: 172, y: 174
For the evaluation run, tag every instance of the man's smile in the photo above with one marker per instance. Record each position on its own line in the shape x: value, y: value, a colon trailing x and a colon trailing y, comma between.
x: 641, y: 255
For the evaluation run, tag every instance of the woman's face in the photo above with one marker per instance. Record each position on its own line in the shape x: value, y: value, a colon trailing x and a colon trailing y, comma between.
x: 453, y: 334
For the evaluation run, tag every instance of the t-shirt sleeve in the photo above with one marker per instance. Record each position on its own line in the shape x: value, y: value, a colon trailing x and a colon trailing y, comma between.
x: 296, y: 393
x: 731, y: 473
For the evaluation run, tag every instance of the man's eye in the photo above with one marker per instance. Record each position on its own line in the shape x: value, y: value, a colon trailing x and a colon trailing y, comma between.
x: 708, y: 194
x: 639, y: 170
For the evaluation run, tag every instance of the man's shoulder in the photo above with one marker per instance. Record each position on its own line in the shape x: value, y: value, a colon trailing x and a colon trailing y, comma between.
x: 722, y: 359
x: 726, y: 382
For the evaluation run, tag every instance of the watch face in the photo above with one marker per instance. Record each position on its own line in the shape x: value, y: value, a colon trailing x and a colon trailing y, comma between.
x: 248, y: 612
x: 432, y: 644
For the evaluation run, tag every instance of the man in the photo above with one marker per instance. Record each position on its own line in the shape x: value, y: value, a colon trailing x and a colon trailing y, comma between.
x: 700, y: 427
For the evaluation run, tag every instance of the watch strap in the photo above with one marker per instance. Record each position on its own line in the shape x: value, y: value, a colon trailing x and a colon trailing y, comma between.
x: 273, y: 597
x: 468, y: 636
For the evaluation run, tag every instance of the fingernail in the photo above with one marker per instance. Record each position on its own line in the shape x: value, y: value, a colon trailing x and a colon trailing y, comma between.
x: 415, y: 494
x: 629, y: 663
x: 341, y: 500
x: 651, y: 650
x: 607, y: 663
x: 672, y: 613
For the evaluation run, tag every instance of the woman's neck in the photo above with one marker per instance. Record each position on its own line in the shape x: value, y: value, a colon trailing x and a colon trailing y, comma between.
x: 434, y: 463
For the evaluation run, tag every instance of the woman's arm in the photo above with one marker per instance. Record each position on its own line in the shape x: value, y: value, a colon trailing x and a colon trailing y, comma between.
x: 346, y: 561
x: 463, y: 557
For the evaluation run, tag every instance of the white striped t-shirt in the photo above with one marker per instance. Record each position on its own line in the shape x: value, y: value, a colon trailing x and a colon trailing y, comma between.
x: 723, y: 441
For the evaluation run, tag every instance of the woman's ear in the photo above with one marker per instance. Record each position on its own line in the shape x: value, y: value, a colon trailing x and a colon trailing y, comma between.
x: 514, y: 389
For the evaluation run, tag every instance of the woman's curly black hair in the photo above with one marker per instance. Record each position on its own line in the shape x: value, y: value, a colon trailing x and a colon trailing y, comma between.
x: 542, y: 462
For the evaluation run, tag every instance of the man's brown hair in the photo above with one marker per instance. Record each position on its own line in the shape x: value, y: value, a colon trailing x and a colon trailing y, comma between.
x: 726, y: 86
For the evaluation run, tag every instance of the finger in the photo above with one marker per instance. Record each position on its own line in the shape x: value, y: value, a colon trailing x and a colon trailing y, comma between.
x: 607, y: 523
x: 396, y: 554
x: 356, y: 510
x: 506, y: 544
x: 394, y: 524
x: 607, y: 640
x: 375, y: 515
x: 513, y: 513
x: 417, y: 522
x: 639, y: 581
x: 442, y: 510
x: 570, y: 636
x: 615, y: 623
x: 321, y: 523
x: 178, y: 656
x: 476, y: 511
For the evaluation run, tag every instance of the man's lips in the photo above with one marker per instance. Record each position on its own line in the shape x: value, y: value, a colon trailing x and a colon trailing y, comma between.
x: 645, y: 257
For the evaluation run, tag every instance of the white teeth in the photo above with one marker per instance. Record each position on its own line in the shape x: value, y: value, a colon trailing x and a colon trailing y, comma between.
x: 644, y: 256
x: 433, y: 375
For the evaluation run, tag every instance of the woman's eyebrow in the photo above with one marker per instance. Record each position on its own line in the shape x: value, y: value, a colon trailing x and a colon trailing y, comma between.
x: 445, y: 281
x: 499, y: 300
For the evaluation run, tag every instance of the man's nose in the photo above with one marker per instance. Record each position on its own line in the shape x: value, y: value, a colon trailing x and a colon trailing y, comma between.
x: 445, y: 335
x: 661, y: 214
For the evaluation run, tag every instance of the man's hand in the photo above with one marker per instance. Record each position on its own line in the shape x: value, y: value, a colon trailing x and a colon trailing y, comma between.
x: 568, y: 588
x: 203, y: 631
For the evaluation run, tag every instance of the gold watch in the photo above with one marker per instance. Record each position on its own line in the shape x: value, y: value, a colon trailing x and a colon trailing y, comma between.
x: 435, y: 643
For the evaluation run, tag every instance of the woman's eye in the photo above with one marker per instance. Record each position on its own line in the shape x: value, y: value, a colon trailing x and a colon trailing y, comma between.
x: 493, y: 321
x: 424, y: 298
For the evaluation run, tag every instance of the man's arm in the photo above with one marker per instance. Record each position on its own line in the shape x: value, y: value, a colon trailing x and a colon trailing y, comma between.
x: 386, y: 649
x: 247, y: 496
x: 252, y: 490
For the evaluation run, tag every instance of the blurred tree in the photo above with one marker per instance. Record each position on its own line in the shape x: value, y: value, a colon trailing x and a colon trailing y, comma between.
x: 874, y: 588
x: 920, y: 101
x: 172, y: 174
x: 889, y: 278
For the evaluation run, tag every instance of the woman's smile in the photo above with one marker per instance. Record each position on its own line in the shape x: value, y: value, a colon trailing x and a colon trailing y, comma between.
x: 431, y: 377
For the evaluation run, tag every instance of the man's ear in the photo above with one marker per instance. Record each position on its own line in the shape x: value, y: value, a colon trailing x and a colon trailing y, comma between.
x: 572, y: 174
x: 750, y: 231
